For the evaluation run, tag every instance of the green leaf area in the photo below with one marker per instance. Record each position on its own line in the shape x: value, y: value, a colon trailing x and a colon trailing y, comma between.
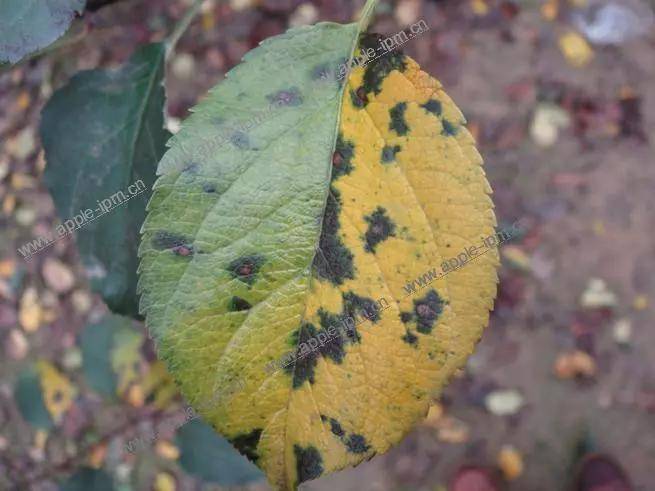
x: 29, y: 25
x: 103, y: 134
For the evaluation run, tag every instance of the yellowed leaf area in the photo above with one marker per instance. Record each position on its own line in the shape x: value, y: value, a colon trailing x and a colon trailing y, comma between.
x: 126, y: 360
x: 407, y: 193
x: 58, y: 392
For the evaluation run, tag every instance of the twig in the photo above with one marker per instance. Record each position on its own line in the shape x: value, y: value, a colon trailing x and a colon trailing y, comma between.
x: 93, y: 5
x: 182, y: 26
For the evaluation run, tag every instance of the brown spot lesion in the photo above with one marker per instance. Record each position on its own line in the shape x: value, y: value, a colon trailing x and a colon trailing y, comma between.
x: 246, y: 268
x: 178, y: 244
x: 342, y: 157
x: 380, y: 228
x: 358, y: 98
x: 427, y: 311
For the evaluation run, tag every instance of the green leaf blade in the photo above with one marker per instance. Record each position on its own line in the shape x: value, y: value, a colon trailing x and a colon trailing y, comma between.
x: 29, y: 25
x: 236, y: 214
x: 102, y: 133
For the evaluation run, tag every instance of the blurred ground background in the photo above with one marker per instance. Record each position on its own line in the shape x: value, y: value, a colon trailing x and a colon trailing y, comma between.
x: 560, y: 96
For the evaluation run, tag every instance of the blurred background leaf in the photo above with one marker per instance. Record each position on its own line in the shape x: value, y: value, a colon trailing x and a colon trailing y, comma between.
x: 103, y: 132
x: 29, y: 399
x: 87, y: 479
x: 113, y: 364
x: 29, y: 25
x: 207, y: 455
x: 43, y: 394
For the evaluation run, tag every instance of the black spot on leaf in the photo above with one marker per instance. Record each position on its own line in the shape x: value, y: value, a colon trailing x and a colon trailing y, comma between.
x: 410, y: 338
x: 398, y: 123
x: 191, y: 168
x: 335, y: 427
x: 380, y: 68
x: 237, y: 304
x: 247, y: 443
x: 169, y: 240
x: 322, y: 72
x: 209, y: 188
x: 357, y: 444
x: 426, y: 312
x: 308, y: 349
x: 240, y: 140
x: 309, y: 463
x: 354, y: 305
x: 246, y: 268
x: 389, y: 153
x: 333, y: 261
x: 345, y: 323
x: 433, y: 106
x: 449, y: 129
x: 380, y: 228
x: 291, y: 97
x: 358, y: 98
x: 342, y: 157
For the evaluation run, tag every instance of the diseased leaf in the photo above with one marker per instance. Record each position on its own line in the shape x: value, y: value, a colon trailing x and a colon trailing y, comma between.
x: 112, y: 361
x: 210, y: 457
x: 266, y: 243
x: 28, y: 25
x: 44, y: 394
x: 103, y: 135
x: 58, y: 391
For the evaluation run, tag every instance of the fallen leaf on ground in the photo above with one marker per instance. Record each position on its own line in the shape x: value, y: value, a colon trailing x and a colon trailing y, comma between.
x: 510, y: 462
x: 575, y: 364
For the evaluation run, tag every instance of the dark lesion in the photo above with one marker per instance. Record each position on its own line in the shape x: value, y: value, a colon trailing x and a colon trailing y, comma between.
x: 333, y: 261
x: 309, y: 463
x: 342, y: 158
x: 398, y: 122
x: 449, y: 129
x: 378, y: 70
x: 425, y: 314
x: 410, y: 338
x: 290, y: 97
x: 246, y: 268
x: 354, y: 442
x: 380, y: 228
x: 178, y: 244
x: 246, y: 443
x: 389, y: 153
x: 433, y: 106
x: 238, y: 304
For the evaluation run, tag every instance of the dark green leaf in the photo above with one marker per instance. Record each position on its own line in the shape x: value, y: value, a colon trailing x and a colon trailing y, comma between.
x: 209, y: 456
x: 87, y: 479
x: 29, y: 398
x: 102, y: 133
x: 96, y: 343
x: 28, y: 25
